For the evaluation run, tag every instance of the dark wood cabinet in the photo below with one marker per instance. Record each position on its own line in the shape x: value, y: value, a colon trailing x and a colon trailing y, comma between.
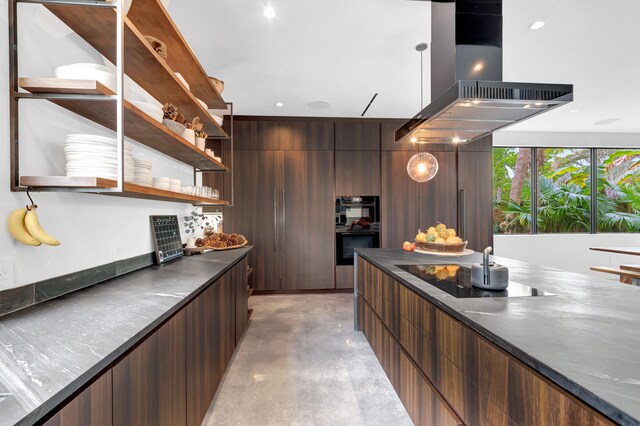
x: 446, y: 373
x: 93, y: 406
x: 149, y: 383
x: 474, y: 186
x: 241, y: 298
x: 307, y: 220
x: 284, y: 205
x: 357, y: 173
x: 172, y: 375
x: 260, y: 134
x: 256, y: 215
x: 210, y: 319
x: 344, y: 276
x: 362, y: 135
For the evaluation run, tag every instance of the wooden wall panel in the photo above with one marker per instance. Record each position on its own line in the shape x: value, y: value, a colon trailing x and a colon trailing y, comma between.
x: 400, y: 200
x: 92, y: 407
x: 474, y: 177
x: 357, y: 173
x: 358, y: 135
x: 149, y: 383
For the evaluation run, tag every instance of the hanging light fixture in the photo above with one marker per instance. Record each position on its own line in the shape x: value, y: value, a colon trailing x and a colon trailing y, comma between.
x: 422, y: 167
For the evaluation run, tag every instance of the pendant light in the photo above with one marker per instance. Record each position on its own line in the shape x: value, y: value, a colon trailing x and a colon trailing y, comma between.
x: 422, y: 167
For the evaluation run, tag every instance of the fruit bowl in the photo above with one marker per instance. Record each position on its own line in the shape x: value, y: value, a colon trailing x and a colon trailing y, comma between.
x: 443, y: 247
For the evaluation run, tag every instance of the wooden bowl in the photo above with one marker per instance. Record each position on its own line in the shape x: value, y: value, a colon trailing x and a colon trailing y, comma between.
x: 443, y: 247
x: 218, y: 84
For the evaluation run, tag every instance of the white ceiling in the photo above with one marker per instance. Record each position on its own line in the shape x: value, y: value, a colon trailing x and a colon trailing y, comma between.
x: 344, y: 51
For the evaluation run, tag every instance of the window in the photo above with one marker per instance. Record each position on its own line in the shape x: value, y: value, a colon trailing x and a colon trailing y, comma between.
x: 512, y: 190
x: 618, y: 190
x: 566, y: 200
x: 564, y: 190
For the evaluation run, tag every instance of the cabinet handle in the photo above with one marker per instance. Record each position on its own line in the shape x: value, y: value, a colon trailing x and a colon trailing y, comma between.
x: 284, y: 222
x: 275, y: 222
x: 462, y: 213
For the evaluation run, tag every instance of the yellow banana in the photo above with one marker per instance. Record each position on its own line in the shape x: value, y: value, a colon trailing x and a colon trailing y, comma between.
x: 16, y: 226
x: 33, y: 226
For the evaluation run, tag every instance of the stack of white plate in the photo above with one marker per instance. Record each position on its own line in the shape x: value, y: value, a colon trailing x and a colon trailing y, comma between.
x: 142, y: 174
x: 162, y: 183
x: 175, y: 185
x: 96, y: 156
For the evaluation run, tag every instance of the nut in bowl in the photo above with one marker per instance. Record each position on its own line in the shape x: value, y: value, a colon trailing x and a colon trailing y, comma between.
x: 440, y: 239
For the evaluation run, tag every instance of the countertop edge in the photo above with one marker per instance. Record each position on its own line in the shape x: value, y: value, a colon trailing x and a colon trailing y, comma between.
x: 607, y: 409
x: 85, y: 379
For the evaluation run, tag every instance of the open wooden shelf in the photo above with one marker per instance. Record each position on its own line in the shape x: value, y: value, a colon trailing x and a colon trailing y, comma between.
x: 98, y: 27
x: 131, y: 190
x: 138, y: 125
x: 64, y: 86
x: 152, y: 19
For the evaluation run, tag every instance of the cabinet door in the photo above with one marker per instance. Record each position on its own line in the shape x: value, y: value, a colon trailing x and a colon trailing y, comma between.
x: 92, y: 407
x: 308, y: 220
x: 255, y: 215
x: 149, y: 383
x: 357, y: 173
x: 357, y: 136
x: 202, y: 353
x: 400, y: 200
x: 438, y: 197
x: 474, y: 174
x: 241, y: 302
x: 306, y: 135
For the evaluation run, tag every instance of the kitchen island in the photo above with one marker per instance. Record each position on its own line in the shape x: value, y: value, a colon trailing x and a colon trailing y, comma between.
x: 568, y: 358
x: 149, y: 347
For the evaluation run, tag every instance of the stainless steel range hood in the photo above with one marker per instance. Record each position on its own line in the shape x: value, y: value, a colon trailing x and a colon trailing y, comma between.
x: 470, y: 100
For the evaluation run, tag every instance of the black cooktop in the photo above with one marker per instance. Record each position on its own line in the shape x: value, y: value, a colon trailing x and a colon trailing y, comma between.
x: 456, y: 281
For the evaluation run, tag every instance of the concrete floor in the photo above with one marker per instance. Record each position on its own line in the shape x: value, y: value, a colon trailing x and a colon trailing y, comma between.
x: 301, y: 363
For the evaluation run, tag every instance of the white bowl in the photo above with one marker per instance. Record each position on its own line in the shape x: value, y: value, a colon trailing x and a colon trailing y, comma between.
x: 181, y: 78
x: 217, y: 119
x: 84, y: 71
x: 201, y: 102
x: 153, y: 111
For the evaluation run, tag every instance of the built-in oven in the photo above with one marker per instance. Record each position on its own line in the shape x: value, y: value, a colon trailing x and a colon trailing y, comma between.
x: 346, y: 242
x: 355, y: 207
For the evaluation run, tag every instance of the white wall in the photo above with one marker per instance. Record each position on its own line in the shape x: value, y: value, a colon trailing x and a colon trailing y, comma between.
x: 94, y: 229
x: 567, y: 251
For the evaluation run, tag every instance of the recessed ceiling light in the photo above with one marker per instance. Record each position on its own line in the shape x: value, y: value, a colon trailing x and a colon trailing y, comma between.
x: 527, y: 106
x: 319, y: 104
x: 478, y: 67
x: 279, y: 104
x: 536, y: 25
x: 269, y: 12
x: 606, y: 121
x: 538, y: 103
x: 456, y: 139
x: 413, y: 139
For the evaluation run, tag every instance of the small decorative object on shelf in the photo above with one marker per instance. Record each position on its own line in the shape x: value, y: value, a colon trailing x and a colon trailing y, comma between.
x: 218, y: 84
x: 158, y: 45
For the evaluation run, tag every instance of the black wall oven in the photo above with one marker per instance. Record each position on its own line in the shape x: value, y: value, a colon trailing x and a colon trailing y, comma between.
x: 346, y: 242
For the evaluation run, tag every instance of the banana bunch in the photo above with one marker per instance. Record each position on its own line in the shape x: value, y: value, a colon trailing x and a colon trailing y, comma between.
x: 25, y: 227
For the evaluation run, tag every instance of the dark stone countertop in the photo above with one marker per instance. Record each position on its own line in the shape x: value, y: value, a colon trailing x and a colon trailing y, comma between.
x: 49, y: 351
x: 586, y: 338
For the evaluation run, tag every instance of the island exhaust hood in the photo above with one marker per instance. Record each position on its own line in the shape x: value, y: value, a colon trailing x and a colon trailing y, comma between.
x: 469, y: 98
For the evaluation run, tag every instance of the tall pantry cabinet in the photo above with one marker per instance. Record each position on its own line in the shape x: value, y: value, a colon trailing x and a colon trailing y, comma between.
x: 284, y: 202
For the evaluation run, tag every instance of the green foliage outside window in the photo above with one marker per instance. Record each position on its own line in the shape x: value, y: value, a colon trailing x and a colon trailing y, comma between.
x: 564, y: 190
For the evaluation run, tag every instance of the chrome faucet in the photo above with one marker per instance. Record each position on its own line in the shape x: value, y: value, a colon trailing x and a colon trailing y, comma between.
x: 486, y: 265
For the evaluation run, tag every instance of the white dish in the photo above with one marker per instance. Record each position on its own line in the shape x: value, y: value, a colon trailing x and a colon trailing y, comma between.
x: 201, y: 102
x: 87, y: 71
x: 465, y: 252
x: 153, y: 111
x: 217, y: 119
x: 181, y: 78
